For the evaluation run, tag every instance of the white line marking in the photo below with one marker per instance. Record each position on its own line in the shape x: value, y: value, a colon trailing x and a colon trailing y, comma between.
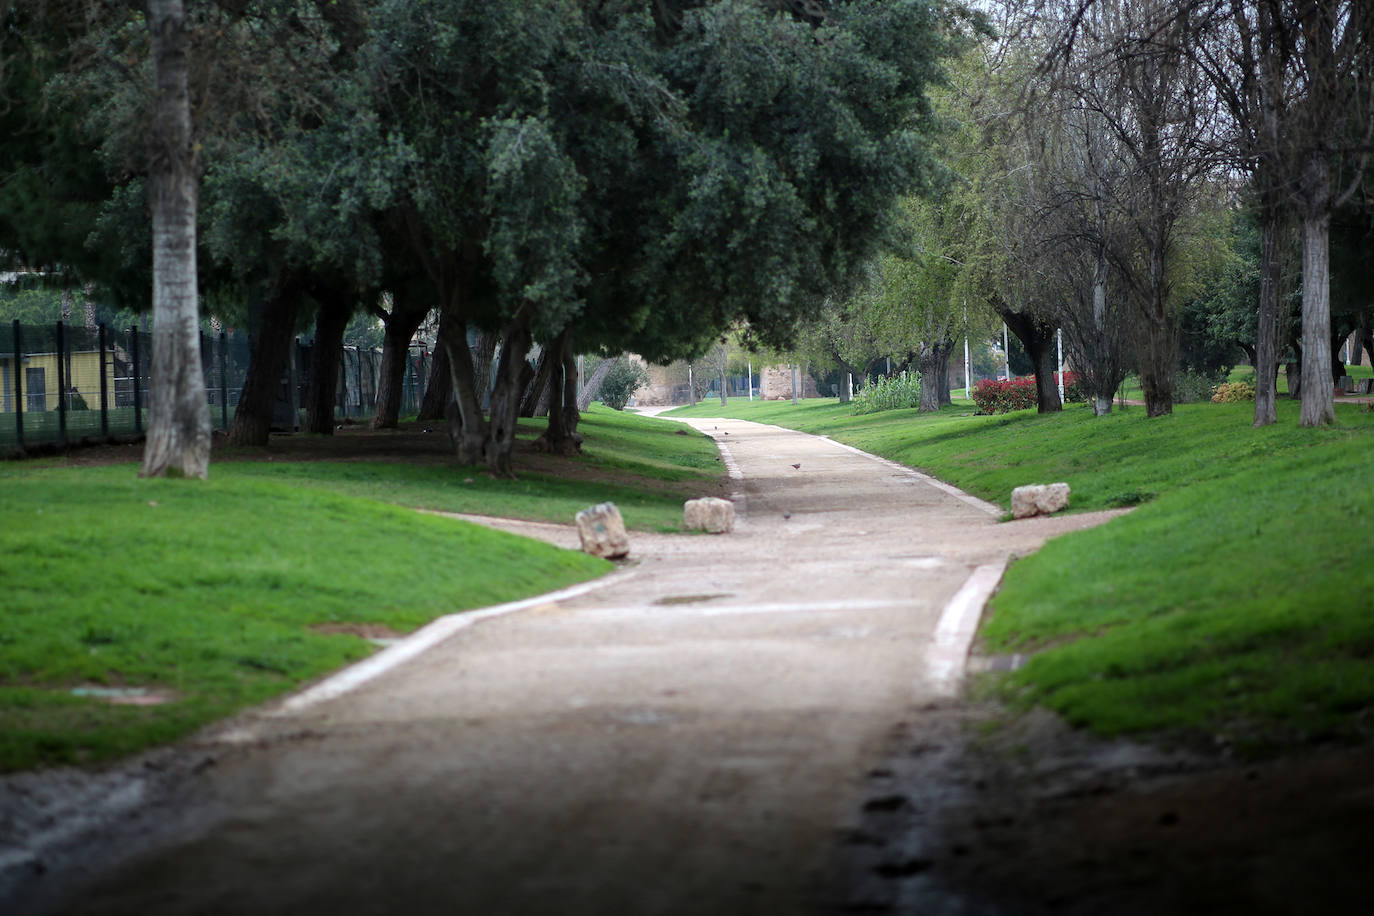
x: 947, y: 655
x: 425, y: 638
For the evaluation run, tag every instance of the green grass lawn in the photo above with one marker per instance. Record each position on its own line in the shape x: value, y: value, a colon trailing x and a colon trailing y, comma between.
x: 1233, y: 606
x: 214, y: 592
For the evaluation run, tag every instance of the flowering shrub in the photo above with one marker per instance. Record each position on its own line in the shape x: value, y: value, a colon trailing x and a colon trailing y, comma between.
x: 1233, y: 392
x: 890, y: 394
x: 999, y: 396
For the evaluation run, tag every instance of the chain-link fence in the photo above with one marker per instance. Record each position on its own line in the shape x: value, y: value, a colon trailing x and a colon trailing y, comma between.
x: 62, y: 384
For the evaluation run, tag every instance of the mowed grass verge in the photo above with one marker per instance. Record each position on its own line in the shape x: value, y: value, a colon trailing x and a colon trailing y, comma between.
x: 215, y: 595
x: 1234, y: 607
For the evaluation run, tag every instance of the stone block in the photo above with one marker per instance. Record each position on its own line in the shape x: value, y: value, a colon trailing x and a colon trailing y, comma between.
x: 1039, y: 499
x: 602, y: 531
x: 716, y: 516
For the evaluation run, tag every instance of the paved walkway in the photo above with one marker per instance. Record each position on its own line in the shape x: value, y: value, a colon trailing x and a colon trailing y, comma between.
x: 688, y: 737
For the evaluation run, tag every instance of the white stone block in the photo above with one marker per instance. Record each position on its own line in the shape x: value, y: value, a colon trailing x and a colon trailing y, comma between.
x: 1039, y: 499
x: 603, y: 532
x: 708, y: 514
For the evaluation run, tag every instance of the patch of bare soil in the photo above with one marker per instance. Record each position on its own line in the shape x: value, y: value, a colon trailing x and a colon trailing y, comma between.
x: 968, y: 814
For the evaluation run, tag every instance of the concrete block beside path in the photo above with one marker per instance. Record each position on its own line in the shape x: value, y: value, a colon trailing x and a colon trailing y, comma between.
x: 1039, y: 499
x: 710, y: 514
x: 602, y: 531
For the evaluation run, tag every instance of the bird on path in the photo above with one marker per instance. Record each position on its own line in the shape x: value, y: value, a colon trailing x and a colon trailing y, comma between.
x: 787, y: 515
x: 797, y: 465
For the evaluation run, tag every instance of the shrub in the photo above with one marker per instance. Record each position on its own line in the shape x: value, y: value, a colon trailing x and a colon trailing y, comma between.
x: 890, y: 394
x: 999, y: 396
x: 1193, y: 387
x: 625, y: 378
x: 1233, y: 393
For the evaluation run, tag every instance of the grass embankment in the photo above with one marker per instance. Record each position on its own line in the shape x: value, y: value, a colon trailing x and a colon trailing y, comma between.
x: 220, y: 594
x: 1233, y: 605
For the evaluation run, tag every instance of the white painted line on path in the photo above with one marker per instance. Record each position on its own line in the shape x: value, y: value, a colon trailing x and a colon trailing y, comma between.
x: 425, y: 638
x: 947, y: 654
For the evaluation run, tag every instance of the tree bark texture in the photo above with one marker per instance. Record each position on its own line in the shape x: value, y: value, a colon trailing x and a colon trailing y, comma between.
x: 1038, y: 342
x: 561, y: 437
x: 271, y: 347
x: 400, y: 327
x: 1267, y: 336
x: 439, y: 389
x: 505, y: 395
x: 178, y: 441
x: 540, y: 393
x: 593, y: 385
x: 930, y: 366
x: 325, y: 355
x: 1318, y: 404
x: 1158, y: 357
x: 467, y: 425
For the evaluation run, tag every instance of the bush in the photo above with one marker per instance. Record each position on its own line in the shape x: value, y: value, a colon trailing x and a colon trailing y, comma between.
x: 999, y: 396
x: 625, y: 378
x: 1193, y: 387
x: 1233, y: 393
x: 890, y: 394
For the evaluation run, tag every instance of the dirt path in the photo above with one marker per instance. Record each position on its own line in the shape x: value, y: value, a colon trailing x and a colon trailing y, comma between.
x: 692, y: 737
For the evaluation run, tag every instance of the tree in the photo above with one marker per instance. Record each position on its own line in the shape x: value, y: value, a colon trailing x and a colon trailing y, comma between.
x: 178, y: 439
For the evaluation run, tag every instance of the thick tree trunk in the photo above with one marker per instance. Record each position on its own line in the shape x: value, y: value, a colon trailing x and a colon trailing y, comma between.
x: 1364, y: 335
x: 1038, y: 342
x: 1158, y: 358
x: 467, y: 425
x: 276, y: 320
x: 540, y: 394
x: 1266, y: 360
x: 593, y: 385
x: 930, y: 386
x: 178, y: 440
x: 561, y: 436
x: 439, y: 387
x: 945, y: 349
x: 505, y: 395
x: 401, y: 326
x: 1101, y: 400
x: 324, y: 368
x: 1318, y: 405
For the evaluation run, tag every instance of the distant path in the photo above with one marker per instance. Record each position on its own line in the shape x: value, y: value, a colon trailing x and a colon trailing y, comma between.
x: 687, y: 738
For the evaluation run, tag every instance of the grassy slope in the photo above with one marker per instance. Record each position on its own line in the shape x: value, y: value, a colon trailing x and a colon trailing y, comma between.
x: 639, y: 463
x: 209, y: 590
x: 1234, y: 605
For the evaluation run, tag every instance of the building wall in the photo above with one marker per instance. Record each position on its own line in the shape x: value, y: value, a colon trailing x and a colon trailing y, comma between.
x: 85, y: 371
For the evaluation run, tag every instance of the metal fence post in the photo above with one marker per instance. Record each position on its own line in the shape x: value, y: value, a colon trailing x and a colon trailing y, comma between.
x: 104, y: 386
x: 18, y: 384
x: 138, y: 389
x: 223, y: 381
x: 62, y: 382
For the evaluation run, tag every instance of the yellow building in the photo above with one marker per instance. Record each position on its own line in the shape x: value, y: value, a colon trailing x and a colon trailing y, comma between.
x: 40, y: 380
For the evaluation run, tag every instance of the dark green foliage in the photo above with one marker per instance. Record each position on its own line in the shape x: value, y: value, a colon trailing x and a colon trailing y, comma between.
x: 625, y: 377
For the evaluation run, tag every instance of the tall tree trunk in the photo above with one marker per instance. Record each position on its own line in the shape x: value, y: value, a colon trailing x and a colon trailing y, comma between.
x: 276, y: 321
x: 178, y: 440
x: 1101, y: 400
x: 561, y: 437
x: 1038, y: 342
x: 1157, y: 360
x: 505, y: 395
x: 539, y: 394
x: 930, y: 386
x: 467, y: 425
x: 439, y: 386
x: 325, y: 355
x: 1267, y: 335
x: 1364, y: 335
x: 946, y: 347
x: 593, y: 385
x: 401, y: 326
x: 1318, y: 405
